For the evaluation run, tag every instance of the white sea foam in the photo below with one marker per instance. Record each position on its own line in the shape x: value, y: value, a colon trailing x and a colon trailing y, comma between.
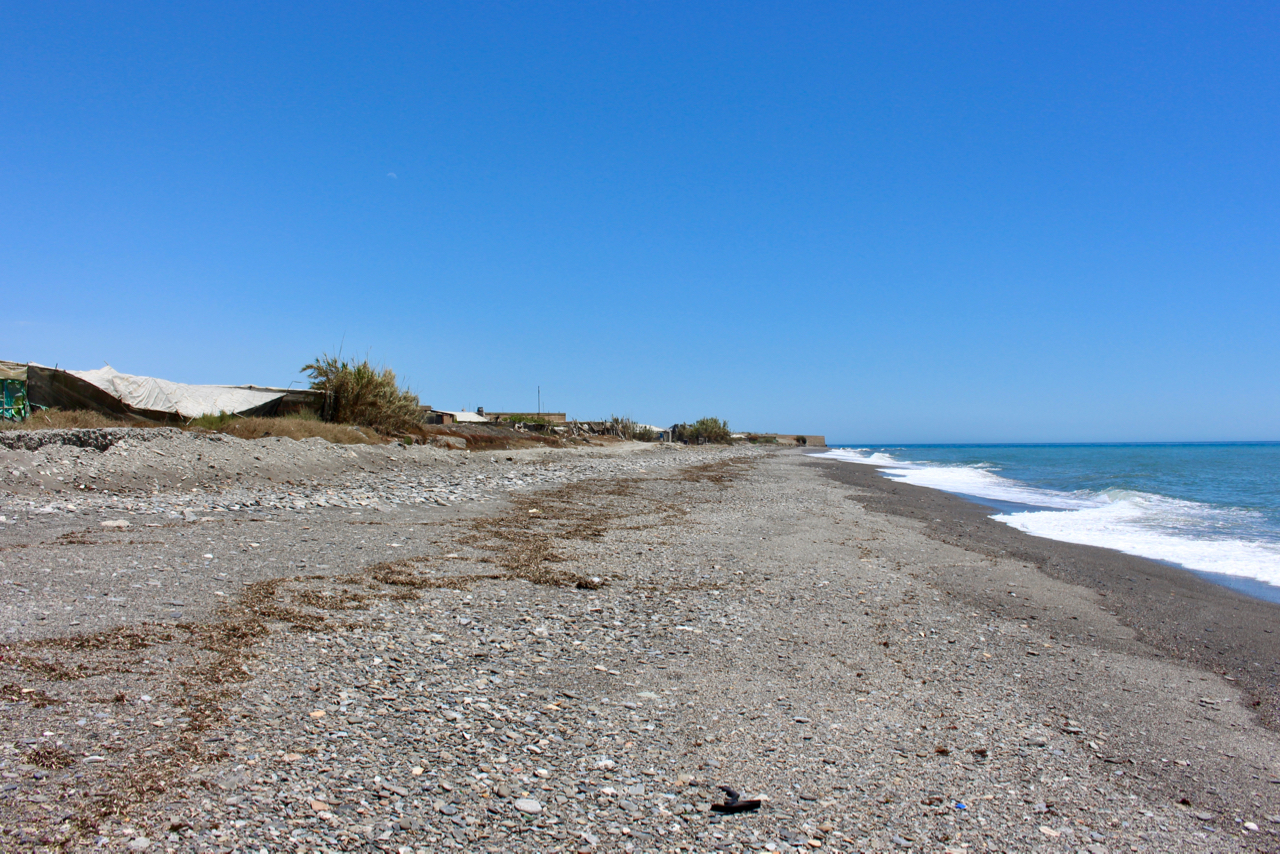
x: 966, y: 480
x: 1191, y: 534
x: 1147, y: 526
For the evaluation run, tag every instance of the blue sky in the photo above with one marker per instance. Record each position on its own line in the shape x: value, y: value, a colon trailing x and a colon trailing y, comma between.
x: 882, y: 222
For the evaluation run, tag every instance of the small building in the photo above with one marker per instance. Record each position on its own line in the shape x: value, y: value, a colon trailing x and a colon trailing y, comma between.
x: 445, y: 416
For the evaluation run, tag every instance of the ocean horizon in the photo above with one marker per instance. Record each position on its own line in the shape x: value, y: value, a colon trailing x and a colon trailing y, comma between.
x: 1209, y: 507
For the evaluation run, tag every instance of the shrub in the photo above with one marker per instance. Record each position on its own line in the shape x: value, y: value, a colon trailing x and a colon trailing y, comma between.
x: 212, y: 422
x: 359, y: 393
x: 709, y: 430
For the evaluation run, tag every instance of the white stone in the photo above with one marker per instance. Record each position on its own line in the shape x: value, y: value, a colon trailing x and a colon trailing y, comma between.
x: 528, y: 805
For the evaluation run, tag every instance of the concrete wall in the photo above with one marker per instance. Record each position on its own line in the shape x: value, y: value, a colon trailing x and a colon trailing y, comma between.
x: 551, y: 417
x: 790, y: 439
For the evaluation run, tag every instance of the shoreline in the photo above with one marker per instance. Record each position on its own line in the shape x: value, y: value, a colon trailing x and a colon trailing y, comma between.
x: 1254, y: 588
x: 1174, y: 609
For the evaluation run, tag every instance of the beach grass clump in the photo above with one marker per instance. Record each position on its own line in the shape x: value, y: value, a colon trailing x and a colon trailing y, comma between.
x: 361, y: 394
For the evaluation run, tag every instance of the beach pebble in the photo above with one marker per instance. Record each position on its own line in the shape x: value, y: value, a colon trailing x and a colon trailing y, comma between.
x: 715, y: 666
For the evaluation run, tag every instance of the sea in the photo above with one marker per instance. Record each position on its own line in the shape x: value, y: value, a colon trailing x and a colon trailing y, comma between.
x: 1210, y: 508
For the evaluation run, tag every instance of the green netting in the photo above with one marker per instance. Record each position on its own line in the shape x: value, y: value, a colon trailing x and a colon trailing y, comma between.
x: 15, y: 400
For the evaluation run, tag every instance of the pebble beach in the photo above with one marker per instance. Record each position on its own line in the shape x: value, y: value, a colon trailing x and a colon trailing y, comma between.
x: 220, y: 645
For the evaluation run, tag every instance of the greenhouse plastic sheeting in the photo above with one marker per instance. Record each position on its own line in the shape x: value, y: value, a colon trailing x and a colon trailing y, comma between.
x: 189, y: 401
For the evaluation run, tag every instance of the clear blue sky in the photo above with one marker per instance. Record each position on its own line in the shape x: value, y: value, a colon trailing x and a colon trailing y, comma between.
x: 887, y: 222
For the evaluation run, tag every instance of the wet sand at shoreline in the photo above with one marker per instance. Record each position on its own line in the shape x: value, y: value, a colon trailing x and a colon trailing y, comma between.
x: 1175, y: 611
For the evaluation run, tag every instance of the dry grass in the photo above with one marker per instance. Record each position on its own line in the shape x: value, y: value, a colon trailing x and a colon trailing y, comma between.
x: 485, y: 437
x: 14, y: 693
x: 58, y: 419
x: 524, y: 541
x: 200, y: 662
x: 301, y: 428
x: 288, y: 426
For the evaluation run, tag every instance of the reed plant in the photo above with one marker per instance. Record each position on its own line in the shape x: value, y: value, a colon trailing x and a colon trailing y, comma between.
x: 362, y: 394
x: 628, y: 428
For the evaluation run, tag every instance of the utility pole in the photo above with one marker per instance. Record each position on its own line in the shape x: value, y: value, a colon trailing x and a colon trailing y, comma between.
x: 539, y: 401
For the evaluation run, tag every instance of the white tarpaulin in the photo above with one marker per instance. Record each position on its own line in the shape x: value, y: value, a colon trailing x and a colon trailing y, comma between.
x: 189, y: 401
x: 13, y: 371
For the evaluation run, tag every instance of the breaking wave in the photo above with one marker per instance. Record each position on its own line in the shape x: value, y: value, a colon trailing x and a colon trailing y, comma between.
x: 1192, y: 534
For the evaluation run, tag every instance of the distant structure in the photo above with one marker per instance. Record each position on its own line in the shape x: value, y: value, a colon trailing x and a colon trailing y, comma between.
x: 446, y: 416
x: 549, y: 417
x: 783, y: 439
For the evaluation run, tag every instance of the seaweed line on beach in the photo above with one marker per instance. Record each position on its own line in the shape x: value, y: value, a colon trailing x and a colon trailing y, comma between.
x: 192, y: 670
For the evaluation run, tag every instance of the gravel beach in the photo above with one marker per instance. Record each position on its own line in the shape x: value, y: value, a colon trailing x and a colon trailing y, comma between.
x: 220, y: 645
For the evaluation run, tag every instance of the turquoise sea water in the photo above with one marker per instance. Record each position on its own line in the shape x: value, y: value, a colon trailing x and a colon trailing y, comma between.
x: 1213, y: 508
